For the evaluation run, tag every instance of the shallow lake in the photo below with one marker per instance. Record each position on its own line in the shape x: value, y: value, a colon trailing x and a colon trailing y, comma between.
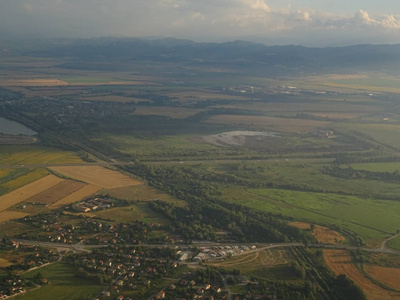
x: 14, y: 128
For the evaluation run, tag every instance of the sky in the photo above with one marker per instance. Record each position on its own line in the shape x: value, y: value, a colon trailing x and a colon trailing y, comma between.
x: 274, y: 22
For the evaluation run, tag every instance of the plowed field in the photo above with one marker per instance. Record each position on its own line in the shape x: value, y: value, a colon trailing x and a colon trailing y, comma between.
x: 80, y: 194
x: 57, y: 192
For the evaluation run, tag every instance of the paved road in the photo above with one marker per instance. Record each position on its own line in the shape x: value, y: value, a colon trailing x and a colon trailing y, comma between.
x: 86, y: 248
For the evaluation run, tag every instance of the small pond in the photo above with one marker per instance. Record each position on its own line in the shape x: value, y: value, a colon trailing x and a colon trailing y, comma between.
x: 14, y: 128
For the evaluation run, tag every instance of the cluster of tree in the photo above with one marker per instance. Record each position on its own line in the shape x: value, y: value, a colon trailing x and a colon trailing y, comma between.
x: 8, y: 95
x: 347, y: 289
x: 206, y: 214
x: 366, y: 157
x: 349, y: 173
x: 306, y: 291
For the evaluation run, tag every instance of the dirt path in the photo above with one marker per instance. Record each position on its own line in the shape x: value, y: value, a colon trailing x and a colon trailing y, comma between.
x: 384, y: 243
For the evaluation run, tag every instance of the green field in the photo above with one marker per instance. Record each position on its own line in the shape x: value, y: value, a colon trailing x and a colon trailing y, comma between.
x: 143, y: 193
x: 395, y: 243
x: 19, y: 178
x: 160, y: 147
x: 63, y: 285
x: 385, y: 134
x: 132, y: 213
x: 371, y: 219
x: 32, y: 154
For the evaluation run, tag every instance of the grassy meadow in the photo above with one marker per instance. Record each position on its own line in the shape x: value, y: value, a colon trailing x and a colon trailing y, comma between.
x: 136, y: 212
x: 62, y: 285
x: 368, y: 218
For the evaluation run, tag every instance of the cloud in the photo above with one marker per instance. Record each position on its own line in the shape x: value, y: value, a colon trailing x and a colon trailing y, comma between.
x: 258, y: 5
x: 185, y: 18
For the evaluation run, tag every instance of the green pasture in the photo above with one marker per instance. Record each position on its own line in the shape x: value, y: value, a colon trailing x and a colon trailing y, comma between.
x: 63, y: 285
x: 385, y: 134
x: 369, y: 218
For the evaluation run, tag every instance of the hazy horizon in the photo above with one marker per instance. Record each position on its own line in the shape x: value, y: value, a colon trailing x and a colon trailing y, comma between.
x: 272, y: 22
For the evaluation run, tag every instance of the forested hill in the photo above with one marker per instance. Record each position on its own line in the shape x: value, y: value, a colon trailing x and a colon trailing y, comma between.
x: 241, y: 55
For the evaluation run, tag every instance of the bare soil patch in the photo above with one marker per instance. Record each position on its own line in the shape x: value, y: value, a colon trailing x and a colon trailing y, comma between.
x: 97, y: 175
x: 339, y: 261
x: 235, y: 138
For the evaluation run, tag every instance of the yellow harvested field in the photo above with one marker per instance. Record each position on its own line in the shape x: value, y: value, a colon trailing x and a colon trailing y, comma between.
x: 173, y: 112
x: 9, y: 215
x: 322, y: 234
x: 269, y: 123
x: 363, y: 87
x: 28, y: 191
x: 343, y: 76
x: 97, y: 175
x: 335, y: 106
x: 340, y: 116
x: 4, y: 263
x: 205, y: 95
x: 387, y: 276
x: 113, y: 98
x: 78, y: 195
x: 40, y: 155
x: 339, y: 261
x: 327, y: 235
x: 300, y: 225
x: 57, y: 192
x: 33, y: 82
